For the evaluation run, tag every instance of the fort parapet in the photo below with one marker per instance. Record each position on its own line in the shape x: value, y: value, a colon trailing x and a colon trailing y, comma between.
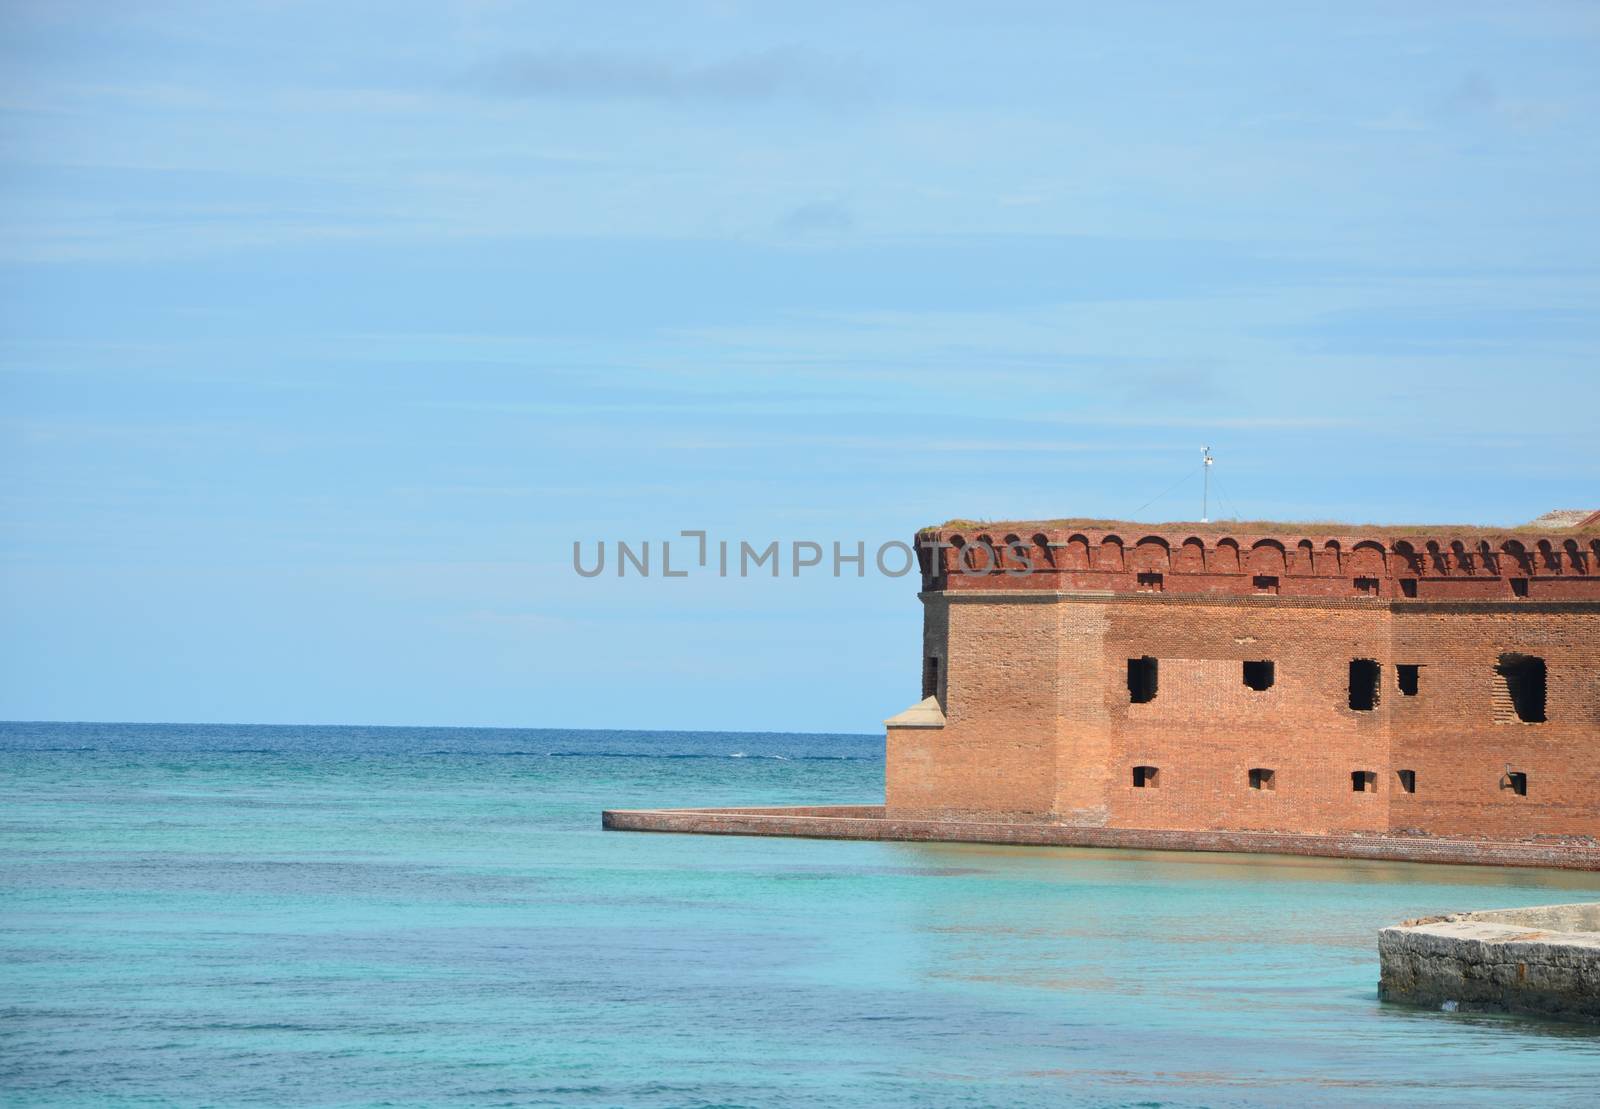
x: 1331, y: 562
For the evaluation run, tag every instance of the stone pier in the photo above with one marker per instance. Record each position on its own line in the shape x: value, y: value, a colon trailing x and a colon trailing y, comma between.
x: 1543, y: 961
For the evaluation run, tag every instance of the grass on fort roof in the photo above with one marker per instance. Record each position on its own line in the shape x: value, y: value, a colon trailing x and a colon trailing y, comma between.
x: 1254, y: 527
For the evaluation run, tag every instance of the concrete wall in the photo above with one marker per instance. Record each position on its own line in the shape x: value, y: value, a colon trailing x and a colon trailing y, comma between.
x: 1581, y: 917
x: 1543, y: 961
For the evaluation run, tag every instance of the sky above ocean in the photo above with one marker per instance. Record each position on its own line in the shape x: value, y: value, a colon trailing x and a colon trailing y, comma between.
x: 326, y: 331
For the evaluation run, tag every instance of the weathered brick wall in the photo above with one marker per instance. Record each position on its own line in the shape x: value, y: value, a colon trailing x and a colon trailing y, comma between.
x: 1039, y: 720
x: 1206, y: 729
x: 1086, y: 762
x: 997, y: 752
x: 1448, y: 732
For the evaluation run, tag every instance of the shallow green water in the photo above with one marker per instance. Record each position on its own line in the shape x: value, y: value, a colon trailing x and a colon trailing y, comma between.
x: 336, y: 916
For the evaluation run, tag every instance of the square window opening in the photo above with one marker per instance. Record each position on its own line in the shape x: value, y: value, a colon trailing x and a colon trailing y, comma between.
x: 1519, y: 587
x: 1142, y: 680
x: 1406, y: 676
x: 1150, y: 583
x: 1408, y: 780
x: 1408, y: 587
x: 1364, y: 781
x: 1146, y: 777
x: 1259, y: 675
x: 1522, y: 686
x: 1364, y: 674
x: 1265, y: 583
x: 1261, y: 778
x: 1516, y: 781
x: 1367, y: 586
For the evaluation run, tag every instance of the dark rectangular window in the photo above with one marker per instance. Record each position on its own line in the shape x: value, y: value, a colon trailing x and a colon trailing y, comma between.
x: 1150, y: 583
x: 1259, y: 675
x: 1408, y: 587
x: 1522, y: 683
x: 930, y: 677
x: 1519, y: 587
x: 1368, y: 586
x: 1144, y: 777
x: 1260, y: 778
x: 1516, y: 781
x: 1408, y: 780
x: 1266, y: 583
x: 1405, y: 676
x: 1141, y: 680
x: 1364, y: 673
x: 1364, y: 781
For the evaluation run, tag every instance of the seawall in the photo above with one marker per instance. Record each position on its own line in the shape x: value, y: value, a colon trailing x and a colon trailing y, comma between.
x: 869, y: 822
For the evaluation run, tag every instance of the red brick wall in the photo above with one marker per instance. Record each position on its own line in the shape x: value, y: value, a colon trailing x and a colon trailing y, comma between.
x: 1039, y: 721
x: 1448, y: 566
x: 997, y: 752
x: 1449, y: 735
x: 1206, y: 729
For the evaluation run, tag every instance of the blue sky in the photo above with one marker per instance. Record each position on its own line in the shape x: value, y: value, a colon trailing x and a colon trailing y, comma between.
x: 325, y: 330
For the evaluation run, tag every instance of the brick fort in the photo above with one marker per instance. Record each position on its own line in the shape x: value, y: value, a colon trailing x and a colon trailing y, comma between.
x: 1386, y: 692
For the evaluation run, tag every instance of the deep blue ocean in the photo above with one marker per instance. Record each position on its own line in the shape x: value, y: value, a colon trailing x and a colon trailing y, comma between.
x: 335, y: 916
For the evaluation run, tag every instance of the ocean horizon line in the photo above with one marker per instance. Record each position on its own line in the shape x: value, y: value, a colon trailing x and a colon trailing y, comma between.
x: 442, y: 727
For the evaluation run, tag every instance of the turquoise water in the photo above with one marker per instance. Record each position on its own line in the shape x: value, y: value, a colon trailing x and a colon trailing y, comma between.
x: 347, y: 916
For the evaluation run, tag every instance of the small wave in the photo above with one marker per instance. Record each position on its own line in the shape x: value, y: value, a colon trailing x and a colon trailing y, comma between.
x: 248, y: 1026
x: 458, y: 753
x: 646, y: 755
x: 707, y: 755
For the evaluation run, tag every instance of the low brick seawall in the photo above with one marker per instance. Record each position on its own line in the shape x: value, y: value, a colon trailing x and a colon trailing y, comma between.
x: 1544, y: 961
x: 870, y: 822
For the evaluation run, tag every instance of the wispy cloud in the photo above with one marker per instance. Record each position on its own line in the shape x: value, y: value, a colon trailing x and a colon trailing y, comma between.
x: 1477, y: 97
x: 822, y: 217
x: 903, y: 446
x: 1202, y: 422
x: 598, y: 75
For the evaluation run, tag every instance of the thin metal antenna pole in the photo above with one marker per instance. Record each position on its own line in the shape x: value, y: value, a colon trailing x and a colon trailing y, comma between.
x: 1205, y: 496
